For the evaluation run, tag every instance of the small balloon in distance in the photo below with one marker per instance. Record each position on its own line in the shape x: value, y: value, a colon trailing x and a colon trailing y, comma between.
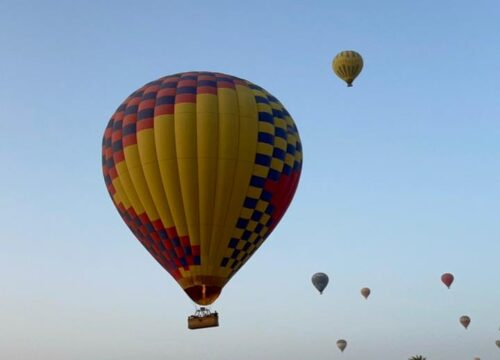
x: 320, y: 281
x: 341, y: 344
x: 465, y: 321
x: 347, y: 65
x: 365, y: 292
x: 447, y: 279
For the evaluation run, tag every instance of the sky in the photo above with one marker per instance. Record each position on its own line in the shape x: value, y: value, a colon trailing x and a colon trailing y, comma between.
x: 400, y: 180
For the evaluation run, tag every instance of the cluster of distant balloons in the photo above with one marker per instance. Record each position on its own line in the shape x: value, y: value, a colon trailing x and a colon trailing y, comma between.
x: 201, y: 166
x: 320, y: 282
x: 347, y: 65
x: 448, y: 279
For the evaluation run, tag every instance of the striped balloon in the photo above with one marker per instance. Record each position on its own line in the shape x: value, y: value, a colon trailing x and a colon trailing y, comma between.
x: 347, y: 65
x: 201, y: 166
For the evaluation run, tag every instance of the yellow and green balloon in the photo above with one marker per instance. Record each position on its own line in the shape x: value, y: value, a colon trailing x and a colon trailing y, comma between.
x: 347, y: 65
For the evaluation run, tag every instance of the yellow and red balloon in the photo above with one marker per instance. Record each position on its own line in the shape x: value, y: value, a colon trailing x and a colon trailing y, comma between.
x: 201, y: 166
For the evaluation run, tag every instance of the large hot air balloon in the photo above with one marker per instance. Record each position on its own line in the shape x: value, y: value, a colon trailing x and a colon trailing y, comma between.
x: 365, y: 292
x: 320, y: 281
x: 347, y: 65
x: 447, y: 279
x: 201, y: 166
x: 465, y: 321
x: 341, y: 344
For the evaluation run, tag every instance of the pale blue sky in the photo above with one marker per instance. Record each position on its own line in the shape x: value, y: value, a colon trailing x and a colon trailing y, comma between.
x: 400, y: 180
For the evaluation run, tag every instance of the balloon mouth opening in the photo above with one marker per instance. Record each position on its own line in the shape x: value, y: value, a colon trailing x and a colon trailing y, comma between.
x: 203, y: 294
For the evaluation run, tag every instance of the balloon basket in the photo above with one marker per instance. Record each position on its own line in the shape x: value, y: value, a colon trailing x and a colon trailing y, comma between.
x: 203, y: 318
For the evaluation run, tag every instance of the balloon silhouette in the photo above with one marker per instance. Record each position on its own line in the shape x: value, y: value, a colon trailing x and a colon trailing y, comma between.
x: 320, y: 281
x: 447, y: 279
x: 465, y: 321
x: 342, y: 344
x: 347, y: 65
x: 365, y: 292
x: 201, y: 166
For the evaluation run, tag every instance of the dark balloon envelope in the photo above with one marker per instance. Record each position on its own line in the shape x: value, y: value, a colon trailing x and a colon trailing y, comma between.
x: 341, y: 344
x: 447, y: 279
x: 320, y: 281
x: 465, y: 321
x: 365, y: 292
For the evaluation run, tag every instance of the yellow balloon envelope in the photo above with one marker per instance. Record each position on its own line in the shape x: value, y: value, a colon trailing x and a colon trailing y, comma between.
x: 201, y: 166
x: 347, y: 65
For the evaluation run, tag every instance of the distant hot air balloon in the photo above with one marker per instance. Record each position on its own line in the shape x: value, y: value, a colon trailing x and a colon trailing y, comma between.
x: 465, y: 321
x: 365, y: 292
x: 201, y: 167
x: 477, y: 358
x: 498, y: 343
x: 447, y: 279
x: 341, y: 344
x: 347, y: 65
x: 320, y: 280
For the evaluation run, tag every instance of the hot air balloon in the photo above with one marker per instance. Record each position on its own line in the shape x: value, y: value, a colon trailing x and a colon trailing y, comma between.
x: 347, y: 65
x: 201, y: 167
x: 498, y: 343
x: 365, y: 292
x: 465, y: 321
x: 477, y: 358
x: 320, y: 281
x: 341, y: 344
x: 447, y: 279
